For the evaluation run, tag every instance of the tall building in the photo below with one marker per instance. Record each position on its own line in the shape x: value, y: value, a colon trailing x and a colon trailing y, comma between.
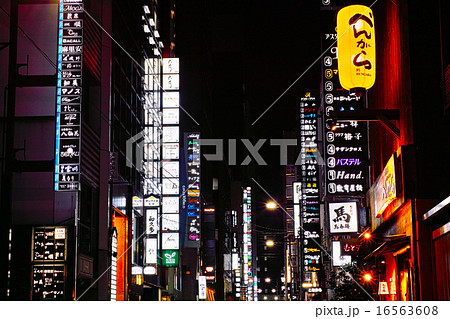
x: 81, y: 152
x: 403, y: 210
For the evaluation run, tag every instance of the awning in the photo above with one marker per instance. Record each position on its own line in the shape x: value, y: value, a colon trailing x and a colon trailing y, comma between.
x: 389, y: 246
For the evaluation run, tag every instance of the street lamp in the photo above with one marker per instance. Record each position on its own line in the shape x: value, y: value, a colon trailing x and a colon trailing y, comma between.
x: 270, y: 243
x: 271, y: 205
x: 287, y: 251
x: 367, y: 277
x: 267, y: 279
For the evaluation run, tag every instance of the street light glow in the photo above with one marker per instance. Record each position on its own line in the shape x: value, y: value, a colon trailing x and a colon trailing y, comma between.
x: 267, y: 279
x: 367, y: 277
x: 271, y: 205
x: 270, y: 243
x: 367, y: 235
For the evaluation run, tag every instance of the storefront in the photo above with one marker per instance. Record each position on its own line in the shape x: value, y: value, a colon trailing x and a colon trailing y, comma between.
x: 400, y: 262
x: 439, y: 220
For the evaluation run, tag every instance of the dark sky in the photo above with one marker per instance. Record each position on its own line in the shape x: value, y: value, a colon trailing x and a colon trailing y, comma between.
x: 242, y: 55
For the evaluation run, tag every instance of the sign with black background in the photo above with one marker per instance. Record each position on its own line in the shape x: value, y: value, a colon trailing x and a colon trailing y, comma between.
x: 309, y: 200
x: 68, y: 96
x: 48, y: 263
x: 346, y: 150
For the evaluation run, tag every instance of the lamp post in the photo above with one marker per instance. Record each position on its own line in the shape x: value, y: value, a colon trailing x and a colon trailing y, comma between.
x: 272, y: 205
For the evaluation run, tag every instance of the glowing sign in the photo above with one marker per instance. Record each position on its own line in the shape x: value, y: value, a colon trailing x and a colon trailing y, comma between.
x: 170, y: 258
x: 151, y: 250
x: 201, y: 287
x: 356, y: 47
x: 343, y: 217
x: 383, y: 288
x: 385, y: 189
x: 68, y: 96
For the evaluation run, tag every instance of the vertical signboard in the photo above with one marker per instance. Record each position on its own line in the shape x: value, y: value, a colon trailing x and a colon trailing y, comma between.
x: 306, y: 193
x: 192, y: 146
x: 356, y: 47
x: 202, y: 287
x: 151, y: 207
x: 49, y: 250
x: 346, y: 150
x: 113, y: 294
x: 170, y: 241
x: 247, y: 287
x: 68, y: 96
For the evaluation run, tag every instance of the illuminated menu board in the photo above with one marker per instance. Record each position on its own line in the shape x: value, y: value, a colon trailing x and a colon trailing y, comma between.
x: 192, y: 145
x: 346, y: 150
x: 306, y: 192
x: 49, y: 244
x: 68, y: 96
x: 48, y: 262
x: 48, y: 282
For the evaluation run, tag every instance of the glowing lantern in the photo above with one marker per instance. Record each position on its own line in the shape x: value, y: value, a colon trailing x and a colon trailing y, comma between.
x: 356, y: 47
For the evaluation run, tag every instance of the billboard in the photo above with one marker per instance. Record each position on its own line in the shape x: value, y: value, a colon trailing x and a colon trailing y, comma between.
x: 343, y: 217
x: 308, y: 191
x: 68, y: 96
x: 346, y: 147
x: 193, y: 203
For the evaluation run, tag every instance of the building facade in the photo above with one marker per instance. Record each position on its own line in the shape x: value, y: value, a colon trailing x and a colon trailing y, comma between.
x: 84, y: 106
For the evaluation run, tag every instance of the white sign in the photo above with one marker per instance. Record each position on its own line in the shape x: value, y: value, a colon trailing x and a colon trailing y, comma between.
x: 171, y: 134
x: 171, y: 116
x: 137, y: 202
x: 170, y: 186
x: 171, y: 82
x: 60, y: 233
x: 297, y: 190
x: 171, y: 222
x: 151, y: 250
x: 383, y: 288
x: 171, y: 65
x: 171, y: 99
x: 170, y: 241
x: 343, y: 217
x: 201, y: 287
x: 150, y: 270
x: 171, y: 151
x: 171, y: 205
x: 235, y: 261
x: 152, y: 221
x: 136, y: 270
x: 338, y: 259
x: 151, y: 201
x: 297, y: 220
x: 170, y: 169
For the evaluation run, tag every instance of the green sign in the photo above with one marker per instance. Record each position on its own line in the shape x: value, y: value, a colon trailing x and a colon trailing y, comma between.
x: 170, y: 258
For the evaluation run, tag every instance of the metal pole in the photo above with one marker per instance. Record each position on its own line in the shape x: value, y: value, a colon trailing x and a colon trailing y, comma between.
x: 286, y: 270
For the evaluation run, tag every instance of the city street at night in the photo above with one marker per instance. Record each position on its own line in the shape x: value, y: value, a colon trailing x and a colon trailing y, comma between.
x: 278, y: 152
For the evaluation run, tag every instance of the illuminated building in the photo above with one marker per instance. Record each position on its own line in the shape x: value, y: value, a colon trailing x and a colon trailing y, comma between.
x: 77, y: 107
x: 408, y: 142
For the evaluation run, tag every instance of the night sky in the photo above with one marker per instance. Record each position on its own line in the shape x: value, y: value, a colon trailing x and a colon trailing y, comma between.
x: 245, y: 54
